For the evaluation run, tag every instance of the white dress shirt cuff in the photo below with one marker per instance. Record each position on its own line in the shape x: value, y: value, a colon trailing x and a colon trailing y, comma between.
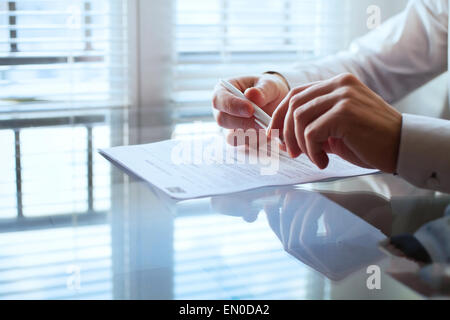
x: 424, y: 154
x: 297, y: 77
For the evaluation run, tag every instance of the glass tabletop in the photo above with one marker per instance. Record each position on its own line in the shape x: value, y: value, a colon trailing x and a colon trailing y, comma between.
x: 115, y: 236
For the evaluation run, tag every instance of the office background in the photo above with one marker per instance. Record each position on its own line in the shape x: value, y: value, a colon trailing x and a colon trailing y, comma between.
x: 80, y: 75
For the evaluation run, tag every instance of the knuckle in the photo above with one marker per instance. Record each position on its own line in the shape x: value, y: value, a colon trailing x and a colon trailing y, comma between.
x: 299, y: 117
x: 295, y: 91
x: 291, y: 94
x: 346, y: 92
x: 310, y: 133
x: 300, y: 90
x: 294, y: 103
x: 298, y: 114
x: 344, y: 107
x: 316, y: 102
x: 291, y: 104
x: 347, y: 79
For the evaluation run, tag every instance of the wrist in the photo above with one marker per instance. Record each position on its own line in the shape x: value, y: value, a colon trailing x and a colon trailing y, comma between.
x: 279, y: 76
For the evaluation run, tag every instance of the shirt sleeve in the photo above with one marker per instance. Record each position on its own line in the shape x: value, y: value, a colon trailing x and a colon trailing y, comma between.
x: 399, y: 56
x: 424, y: 153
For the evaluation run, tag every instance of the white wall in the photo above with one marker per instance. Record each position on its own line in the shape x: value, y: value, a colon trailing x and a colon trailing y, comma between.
x: 359, y: 14
x: 431, y: 99
x: 150, y: 47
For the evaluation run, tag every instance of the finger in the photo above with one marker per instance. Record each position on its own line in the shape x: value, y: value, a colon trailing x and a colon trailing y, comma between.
x: 318, y: 132
x: 311, y: 216
x: 309, y: 112
x: 273, y: 218
x: 339, y: 148
x: 240, y: 137
x: 225, y: 101
x: 286, y: 215
x: 264, y: 92
x: 228, y: 121
x: 280, y: 112
x: 303, y: 97
x: 278, y: 117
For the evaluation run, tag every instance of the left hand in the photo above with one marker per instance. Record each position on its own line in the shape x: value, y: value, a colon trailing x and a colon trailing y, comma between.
x: 341, y: 116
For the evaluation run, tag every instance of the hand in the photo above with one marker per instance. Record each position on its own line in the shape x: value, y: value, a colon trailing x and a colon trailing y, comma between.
x: 231, y: 112
x: 341, y: 116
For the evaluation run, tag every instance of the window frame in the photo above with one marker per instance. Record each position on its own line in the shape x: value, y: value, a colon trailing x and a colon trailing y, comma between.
x: 88, y: 118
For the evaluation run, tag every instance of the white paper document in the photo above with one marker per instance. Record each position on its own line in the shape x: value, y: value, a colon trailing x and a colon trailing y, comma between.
x: 202, y: 167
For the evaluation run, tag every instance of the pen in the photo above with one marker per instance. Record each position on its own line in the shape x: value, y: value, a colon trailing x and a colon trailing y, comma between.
x: 262, y: 118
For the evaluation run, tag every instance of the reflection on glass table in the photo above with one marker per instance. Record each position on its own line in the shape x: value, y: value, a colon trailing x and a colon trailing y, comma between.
x: 339, y: 233
x: 132, y: 243
x: 312, y: 228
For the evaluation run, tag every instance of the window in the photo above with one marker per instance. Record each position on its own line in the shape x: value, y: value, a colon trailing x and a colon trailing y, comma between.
x: 63, y: 74
x: 223, y: 38
x: 58, y: 54
x: 63, y: 77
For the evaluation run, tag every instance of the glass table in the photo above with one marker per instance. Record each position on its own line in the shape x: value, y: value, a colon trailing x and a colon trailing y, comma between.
x: 312, y: 241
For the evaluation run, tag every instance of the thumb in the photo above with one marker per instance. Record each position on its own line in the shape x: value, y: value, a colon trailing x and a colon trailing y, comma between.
x: 264, y: 92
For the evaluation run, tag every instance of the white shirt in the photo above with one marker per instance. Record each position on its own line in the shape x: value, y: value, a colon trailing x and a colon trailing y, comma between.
x: 401, y: 55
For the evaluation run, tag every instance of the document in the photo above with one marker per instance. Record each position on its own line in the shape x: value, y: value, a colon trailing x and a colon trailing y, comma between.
x: 201, y: 167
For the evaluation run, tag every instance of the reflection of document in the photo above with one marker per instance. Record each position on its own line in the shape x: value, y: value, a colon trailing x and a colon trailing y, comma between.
x: 195, y: 168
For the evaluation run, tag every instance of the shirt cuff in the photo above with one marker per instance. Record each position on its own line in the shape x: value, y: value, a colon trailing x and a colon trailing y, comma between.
x: 424, y: 153
x: 296, y: 77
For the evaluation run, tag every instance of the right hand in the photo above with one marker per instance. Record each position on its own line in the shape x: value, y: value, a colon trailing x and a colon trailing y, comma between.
x: 231, y: 112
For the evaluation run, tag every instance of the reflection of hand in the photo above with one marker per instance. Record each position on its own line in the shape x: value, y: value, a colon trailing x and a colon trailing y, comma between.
x: 298, y: 218
x: 368, y: 206
x: 341, y: 116
x: 280, y: 217
x: 312, y: 228
x: 280, y: 203
x: 246, y: 204
x: 323, y: 235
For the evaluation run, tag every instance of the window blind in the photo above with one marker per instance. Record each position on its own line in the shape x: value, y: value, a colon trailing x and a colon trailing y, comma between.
x: 58, y: 263
x: 61, y: 54
x: 63, y: 79
x: 224, y: 38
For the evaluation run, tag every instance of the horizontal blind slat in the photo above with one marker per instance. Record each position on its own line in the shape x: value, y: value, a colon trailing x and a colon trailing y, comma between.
x: 58, y: 54
x: 224, y: 38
